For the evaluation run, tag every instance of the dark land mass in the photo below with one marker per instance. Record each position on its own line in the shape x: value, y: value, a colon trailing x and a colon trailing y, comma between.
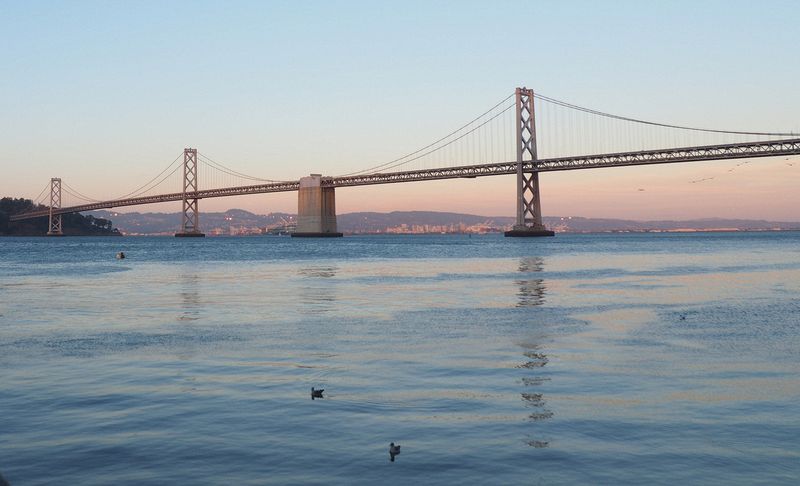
x: 71, y: 224
x: 237, y: 221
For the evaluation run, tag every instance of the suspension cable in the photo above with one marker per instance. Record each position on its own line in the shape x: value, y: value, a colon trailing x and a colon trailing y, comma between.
x: 76, y: 196
x: 37, y: 200
x: 227, y: 170
x: 666, y: 125
x: 441, y: 146
x: 157, y: 183
x: 74, y: 192
x: 389, y: 163
x: 144, y: 187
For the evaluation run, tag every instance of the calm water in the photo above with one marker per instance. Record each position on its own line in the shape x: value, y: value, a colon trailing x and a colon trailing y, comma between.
x: 601, y: 359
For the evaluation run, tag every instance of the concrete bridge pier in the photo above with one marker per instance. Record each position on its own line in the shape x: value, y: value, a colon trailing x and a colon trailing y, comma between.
x: 316, y: 209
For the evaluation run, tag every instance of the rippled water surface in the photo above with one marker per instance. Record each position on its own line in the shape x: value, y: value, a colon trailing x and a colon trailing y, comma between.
x: 591, y: 359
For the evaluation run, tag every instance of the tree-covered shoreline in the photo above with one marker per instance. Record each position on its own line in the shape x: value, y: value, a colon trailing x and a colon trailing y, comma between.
x: 73, y: 224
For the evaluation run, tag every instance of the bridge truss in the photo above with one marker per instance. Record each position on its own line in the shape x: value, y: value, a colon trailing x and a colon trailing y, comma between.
x: 774, y: 148
x: 623, y: 159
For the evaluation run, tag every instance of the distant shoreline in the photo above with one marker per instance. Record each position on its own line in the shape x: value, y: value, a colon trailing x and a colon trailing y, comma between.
x: 237, y: 222
x: 605, y: 232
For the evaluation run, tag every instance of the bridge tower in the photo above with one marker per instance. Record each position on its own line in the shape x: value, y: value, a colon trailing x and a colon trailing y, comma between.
x: 190, y: 219
x: 54, y: 223
x: 529, y: 210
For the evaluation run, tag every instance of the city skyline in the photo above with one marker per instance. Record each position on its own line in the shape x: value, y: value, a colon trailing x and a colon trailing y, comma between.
x: 255, y: 86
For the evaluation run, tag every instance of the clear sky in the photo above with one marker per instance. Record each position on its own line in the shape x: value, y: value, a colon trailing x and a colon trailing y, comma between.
x: 104, y: 94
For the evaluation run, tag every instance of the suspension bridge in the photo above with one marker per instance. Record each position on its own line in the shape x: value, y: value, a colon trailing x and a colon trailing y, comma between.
x: 523, y: 134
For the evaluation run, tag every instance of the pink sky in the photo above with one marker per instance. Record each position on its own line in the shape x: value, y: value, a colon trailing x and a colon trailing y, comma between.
x: 105, y: 95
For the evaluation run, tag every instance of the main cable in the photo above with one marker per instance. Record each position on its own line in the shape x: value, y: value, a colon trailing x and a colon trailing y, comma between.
x: 389, y: 163
x: 447, y: 144
x: 78, y: 196
x: 227, y: 170
x: 666, y: 125
x: 37, y: 200
x: 145, y: 187
x: 71, y: 190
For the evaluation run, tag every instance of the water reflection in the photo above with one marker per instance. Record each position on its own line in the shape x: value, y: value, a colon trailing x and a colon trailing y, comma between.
x: 531, y: 290
x: 190, y: 297
x: 318, y: 296
x: 318, y: 271
x: 532, y: 397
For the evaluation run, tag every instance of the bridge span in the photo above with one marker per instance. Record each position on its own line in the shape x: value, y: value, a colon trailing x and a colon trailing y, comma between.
x: 316, y: 200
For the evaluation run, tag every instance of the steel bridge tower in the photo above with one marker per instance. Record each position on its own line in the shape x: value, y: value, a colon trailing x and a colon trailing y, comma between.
x: 190, y: 224
x: 529, y: 209
x: 54, y: 222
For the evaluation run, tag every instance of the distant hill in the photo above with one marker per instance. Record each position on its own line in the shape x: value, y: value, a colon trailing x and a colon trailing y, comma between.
x: 168, y: 223
x: 238, y: 221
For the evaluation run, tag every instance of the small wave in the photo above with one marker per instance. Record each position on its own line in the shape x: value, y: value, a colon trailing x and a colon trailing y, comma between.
x: 536, y: 381
x: 533, y: 364
x: 538, y: 444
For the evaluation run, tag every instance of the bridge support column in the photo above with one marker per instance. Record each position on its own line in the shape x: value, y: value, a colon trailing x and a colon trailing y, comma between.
x: 54, y: 222
x: 529, y: 210
x: 316, y: 209
x: 190, y: 219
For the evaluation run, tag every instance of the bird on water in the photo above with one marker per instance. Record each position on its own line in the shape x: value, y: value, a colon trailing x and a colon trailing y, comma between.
x: 316, y: 393
x: 393, y: 450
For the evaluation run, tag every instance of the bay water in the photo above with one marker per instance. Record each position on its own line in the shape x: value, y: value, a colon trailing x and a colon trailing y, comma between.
x: 579, y: 359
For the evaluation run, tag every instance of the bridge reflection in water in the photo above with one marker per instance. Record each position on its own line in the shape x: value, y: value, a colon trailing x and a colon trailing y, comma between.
x: 532, y: 396
x: 531, y: 290
x: 318, y: 294
x: 531, y: 293
x: 190, y: 297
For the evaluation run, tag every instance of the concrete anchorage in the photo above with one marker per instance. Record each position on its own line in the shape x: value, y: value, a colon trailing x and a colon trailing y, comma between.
x: 316, y: 209
x: 529, y: 211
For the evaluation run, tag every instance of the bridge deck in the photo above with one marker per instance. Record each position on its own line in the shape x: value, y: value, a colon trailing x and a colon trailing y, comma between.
x: 646, y: 157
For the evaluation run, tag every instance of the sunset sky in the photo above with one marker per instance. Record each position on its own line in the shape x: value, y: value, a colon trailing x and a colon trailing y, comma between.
x: 105, y: 94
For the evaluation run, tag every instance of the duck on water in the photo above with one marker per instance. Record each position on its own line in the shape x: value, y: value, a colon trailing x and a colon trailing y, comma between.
x: 393, y: 450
